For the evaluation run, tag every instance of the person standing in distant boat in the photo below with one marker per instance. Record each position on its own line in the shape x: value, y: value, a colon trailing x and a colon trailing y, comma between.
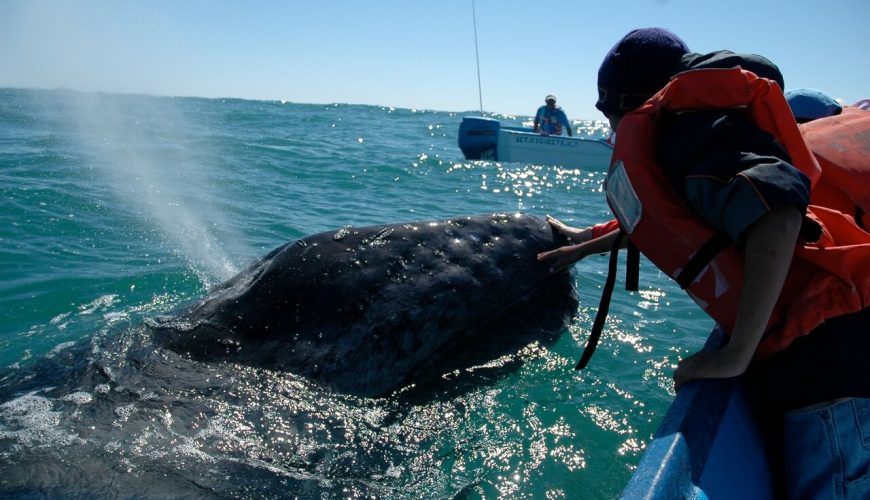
x: 550, y: 119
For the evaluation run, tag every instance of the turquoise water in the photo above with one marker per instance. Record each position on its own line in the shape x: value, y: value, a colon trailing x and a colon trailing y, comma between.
x: 116, y: 209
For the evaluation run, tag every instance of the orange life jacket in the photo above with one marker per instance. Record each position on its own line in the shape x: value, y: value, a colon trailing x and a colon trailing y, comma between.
x: 828, y: 278
x: 841, y: 145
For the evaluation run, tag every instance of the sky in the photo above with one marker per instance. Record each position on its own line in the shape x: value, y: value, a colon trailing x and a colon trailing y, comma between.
x: 408, y: 53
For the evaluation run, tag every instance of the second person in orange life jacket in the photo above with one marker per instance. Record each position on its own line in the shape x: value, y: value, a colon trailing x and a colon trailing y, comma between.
x: 739, y: 180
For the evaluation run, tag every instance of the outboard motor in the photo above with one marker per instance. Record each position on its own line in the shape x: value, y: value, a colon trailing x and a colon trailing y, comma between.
x: 477, y: 135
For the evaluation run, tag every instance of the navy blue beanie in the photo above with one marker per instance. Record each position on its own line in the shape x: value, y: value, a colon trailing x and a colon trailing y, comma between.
x: 637, y: 67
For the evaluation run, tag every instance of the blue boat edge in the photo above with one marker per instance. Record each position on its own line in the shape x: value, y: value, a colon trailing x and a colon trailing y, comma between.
x: 710, y: 444
x: 477, y: 136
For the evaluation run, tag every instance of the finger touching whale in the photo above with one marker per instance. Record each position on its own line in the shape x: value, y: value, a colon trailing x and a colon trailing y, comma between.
x: 368, y: 310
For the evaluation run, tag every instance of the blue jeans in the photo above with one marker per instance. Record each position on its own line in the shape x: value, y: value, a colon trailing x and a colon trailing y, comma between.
x: 827, y: 450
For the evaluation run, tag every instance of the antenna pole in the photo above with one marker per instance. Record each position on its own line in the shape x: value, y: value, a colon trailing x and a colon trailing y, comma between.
x: 477, y: 57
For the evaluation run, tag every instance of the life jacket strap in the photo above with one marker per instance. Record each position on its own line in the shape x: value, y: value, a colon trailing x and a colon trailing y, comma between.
x: 702, y: 257
x: 695, y: 265
x: 603, y: 305
x: 632, y: 267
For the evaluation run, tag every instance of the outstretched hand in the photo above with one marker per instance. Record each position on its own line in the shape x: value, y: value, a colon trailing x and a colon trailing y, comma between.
x: 563, y: 257
x: 574, y: 235
x: 581, y: 245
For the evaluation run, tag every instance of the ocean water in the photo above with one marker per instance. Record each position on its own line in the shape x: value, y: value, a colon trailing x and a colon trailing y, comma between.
x: 118, y: 208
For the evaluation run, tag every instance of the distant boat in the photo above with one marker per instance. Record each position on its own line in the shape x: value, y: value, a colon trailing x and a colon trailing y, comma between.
x: 487, y: 139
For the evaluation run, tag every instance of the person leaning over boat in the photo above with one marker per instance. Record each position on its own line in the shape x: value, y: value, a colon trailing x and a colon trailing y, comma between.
x: 550, y: 118
x: 725, y: 173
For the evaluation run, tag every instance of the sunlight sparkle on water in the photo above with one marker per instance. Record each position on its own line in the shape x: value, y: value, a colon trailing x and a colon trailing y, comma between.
x: 651, y: 298
x: 607, y: 421
x: 631, y: 446
x: 634, y: 340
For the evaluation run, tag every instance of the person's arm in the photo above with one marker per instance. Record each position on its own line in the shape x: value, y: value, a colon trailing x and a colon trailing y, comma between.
x: 567, y: 124
x: 537, y: 125
x: 768, y: 251
x: 577, y: 235
x: 604, y: 228
x: 566, y: 256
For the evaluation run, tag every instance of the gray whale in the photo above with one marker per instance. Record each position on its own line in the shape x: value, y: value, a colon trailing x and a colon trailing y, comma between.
x: 369, y: 310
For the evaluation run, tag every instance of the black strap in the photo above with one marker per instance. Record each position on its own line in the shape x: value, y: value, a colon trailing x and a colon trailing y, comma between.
x: 603, y: 306
x: 859, y: 217
x: 702, y: 257
x: 632, y: 267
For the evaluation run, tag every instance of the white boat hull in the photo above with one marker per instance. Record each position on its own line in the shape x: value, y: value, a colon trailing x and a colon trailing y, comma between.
x: 572, y: 152
x: 485, y: 139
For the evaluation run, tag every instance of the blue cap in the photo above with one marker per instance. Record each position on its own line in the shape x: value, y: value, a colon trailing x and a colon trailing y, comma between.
x: 637, y: 67
x: 811, y: 104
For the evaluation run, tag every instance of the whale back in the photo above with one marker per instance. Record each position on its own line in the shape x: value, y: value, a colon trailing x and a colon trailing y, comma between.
x: 367, y: 310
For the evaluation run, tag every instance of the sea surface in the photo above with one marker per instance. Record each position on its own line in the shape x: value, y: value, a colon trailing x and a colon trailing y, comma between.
x: 115, y: 209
